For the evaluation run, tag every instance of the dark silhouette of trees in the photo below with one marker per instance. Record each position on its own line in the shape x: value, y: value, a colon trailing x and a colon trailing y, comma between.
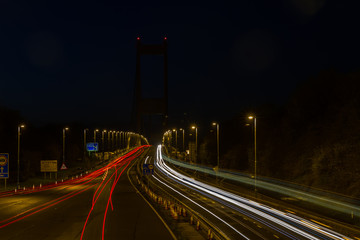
x: 314, y: 139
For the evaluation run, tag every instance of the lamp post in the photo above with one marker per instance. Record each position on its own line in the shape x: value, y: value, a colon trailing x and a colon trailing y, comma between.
x: 18, y: 154
x: 117, y: 140
x: 196, y: 141
x: 174, y: 130
x: 64, y: 130
x: 217, y: 143
x: 85, y: 142
x: 183, y: 139
x: 109, y: 142
x: 168, y: 138
x: 112, y: 140
x: 122, y: 140
x: 127, y: 140
x: 254, y: 120
x: 95, y: 131
x: 102, y: 143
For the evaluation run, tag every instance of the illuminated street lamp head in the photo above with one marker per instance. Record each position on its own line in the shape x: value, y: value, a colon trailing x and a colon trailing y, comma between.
x: 104, y: 130
x: 96, y: 130
x: 66, y: 128
x: 174, y: 130
x: 22, y: 125
x: 251, y: 117
x: 193, y: 127
x: 214, y: 123
x: 181, y: 129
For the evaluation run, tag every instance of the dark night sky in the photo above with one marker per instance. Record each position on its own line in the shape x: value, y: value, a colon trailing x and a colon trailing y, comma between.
x: 65, y: 62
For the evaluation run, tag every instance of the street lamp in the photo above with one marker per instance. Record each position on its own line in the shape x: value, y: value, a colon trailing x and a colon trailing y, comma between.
x: 117, y: 140
x: 109, y: 142
x: 95, y: 131
x: 168, y: 135
x: 112, y: 140
x: 64, y: 130
x: 217, y: 143
x: 102, y: 143
x: 183, y: 138
x: 254, y: 119
x: 18, y: 154
x: 85, y: 142
x: 128, y: 137
x: 196, y: 141
x: 174, y: 130
x: 122, y: 139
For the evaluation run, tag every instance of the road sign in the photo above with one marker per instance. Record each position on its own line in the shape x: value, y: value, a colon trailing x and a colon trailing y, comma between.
x: 92, y: 147
x: 48, y: 166
x: 63, y: 167
x: 148, y: 169
x: 4, y: 165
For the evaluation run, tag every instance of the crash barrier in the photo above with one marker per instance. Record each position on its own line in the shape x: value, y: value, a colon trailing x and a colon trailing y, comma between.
x: 178, y: 211
x: 73, y: 176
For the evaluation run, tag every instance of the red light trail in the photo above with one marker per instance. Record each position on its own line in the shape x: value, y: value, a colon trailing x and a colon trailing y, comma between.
x: 85, y: 182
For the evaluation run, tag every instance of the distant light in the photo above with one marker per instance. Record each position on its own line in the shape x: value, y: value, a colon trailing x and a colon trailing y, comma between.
x: 138, y: 38
x: 22, y: 125
x: 250, y: 117
x: 214, y: 123
x: 193, y: 127
x: 165, y: 38
x: 174, y: 130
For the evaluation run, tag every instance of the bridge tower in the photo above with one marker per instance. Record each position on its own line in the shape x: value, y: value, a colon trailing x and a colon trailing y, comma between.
x: 150, y: 106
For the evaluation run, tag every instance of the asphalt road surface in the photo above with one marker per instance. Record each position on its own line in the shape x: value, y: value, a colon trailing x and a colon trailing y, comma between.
x: 100, y: 205
x: 235, y: 216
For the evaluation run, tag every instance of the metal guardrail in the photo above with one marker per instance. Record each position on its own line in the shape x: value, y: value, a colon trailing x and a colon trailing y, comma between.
x: 178, y: 210
x: 348, y: 206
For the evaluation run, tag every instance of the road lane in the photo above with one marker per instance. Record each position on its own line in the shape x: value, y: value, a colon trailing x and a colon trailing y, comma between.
x: 82, y: 209
x: 281, y: 224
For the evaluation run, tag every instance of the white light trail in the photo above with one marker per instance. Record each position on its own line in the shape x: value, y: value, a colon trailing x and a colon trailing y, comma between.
x: 266, y: 212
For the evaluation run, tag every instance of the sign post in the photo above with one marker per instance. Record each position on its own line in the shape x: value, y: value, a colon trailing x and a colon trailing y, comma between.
x: 49, y: 166
x: 4, y: 166
x: 92, y: 147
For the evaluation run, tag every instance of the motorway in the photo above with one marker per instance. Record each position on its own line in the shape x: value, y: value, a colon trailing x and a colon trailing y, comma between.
x: 236, y: 217
x: 99, y: 205
x: 103, y: 204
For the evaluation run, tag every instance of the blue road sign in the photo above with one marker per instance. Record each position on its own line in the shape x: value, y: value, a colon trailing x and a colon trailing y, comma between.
x: 92, y: 147
x: 148, y: 169
x: 4, y: 165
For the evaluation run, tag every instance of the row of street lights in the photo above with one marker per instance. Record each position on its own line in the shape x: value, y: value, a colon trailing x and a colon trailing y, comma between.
x: 123, y: 138
x: 167, y: 135
x: 194, y: 127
